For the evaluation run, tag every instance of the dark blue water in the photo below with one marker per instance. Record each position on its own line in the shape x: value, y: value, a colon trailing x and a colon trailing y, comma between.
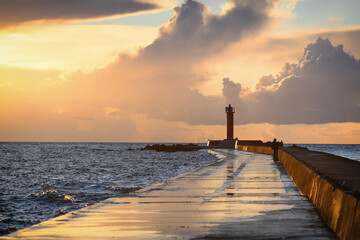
x: 39, y: 181
x: 351, y: 151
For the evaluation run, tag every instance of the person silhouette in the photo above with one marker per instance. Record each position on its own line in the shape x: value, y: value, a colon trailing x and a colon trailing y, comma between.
x: 275, y: 147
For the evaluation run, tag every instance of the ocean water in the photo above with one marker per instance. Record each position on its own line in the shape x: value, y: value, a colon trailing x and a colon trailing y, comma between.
x: 351, y: 151
x: 39, y: 181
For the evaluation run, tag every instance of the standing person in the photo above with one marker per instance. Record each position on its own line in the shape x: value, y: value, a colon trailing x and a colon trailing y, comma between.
x: 275, y: 147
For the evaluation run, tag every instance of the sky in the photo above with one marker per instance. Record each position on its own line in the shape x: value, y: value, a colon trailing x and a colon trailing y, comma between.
x: 163, y: 71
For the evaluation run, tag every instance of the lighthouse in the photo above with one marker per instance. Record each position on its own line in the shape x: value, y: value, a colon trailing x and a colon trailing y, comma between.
x: 230, y: 122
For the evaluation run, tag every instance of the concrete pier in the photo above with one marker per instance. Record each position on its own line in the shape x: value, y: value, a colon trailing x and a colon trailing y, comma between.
x: 243, y: 196
x: 332, y: 184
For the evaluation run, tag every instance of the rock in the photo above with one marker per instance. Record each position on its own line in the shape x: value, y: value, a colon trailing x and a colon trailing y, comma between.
x: 172, y: 148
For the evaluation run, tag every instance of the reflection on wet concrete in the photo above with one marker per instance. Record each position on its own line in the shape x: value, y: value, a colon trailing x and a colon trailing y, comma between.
x: 244, y: 196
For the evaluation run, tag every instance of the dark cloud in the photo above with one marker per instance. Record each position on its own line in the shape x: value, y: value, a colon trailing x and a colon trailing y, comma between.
x: 194, y: 33
x: 14, y: 12
x: 323, y: 87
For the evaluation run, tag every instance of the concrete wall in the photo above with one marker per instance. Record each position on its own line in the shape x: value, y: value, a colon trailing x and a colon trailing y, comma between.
x: 255, y: 149
x: 340, y: 210
x: 226, y: 143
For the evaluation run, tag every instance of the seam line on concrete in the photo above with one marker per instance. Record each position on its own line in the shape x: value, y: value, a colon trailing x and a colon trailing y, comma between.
x: 228, y: 181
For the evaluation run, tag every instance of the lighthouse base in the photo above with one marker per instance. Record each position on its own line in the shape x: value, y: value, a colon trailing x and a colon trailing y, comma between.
x: 226, y: 143
x: 231, y: 144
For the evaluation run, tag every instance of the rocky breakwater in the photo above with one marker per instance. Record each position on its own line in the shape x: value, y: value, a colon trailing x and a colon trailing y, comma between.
x: 173, y: 147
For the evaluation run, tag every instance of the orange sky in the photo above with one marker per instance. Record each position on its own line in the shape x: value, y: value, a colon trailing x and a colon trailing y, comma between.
x: 68, y: 80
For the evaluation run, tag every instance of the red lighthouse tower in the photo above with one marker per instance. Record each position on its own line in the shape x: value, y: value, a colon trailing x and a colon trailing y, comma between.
x: 230, y: 122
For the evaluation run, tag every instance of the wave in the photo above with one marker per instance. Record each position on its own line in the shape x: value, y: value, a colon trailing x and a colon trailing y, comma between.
x: 47, y: 196
x: 107, y: 150
x: 53, y: 196
x: 124, y: 190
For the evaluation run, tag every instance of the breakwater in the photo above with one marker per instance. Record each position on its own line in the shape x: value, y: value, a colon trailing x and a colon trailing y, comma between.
x: 332, y: 184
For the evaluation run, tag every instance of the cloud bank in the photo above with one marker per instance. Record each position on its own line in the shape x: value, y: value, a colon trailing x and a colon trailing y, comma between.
x: 158, y: 81
x: 323, y: 87
x: 194, y: 33
x: 156, y: 89
x: 14, y: 12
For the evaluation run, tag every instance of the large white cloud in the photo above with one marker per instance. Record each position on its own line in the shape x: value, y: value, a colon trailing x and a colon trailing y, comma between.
x: 194, y: 33
x: 160, y: 82
x: 322, y: 87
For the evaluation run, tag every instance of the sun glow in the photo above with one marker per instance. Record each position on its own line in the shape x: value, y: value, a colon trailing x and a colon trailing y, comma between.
x: 71, y: 47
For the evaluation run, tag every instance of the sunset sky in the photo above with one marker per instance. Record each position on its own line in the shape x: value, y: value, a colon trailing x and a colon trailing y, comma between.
x: 163, y: 71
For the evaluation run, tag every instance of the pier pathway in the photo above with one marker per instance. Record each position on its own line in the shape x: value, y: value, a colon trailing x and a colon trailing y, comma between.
x: 243, y: 196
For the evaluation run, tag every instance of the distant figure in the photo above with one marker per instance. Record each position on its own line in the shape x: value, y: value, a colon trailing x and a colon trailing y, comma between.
x: 275, y: 147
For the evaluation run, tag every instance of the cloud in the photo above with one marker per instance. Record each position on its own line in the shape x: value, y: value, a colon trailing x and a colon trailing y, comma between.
x: 335, y: 19
x: 158, y: 86
x: 194, y: 33
x: 231, y: 91
x: 14, y: 12
x: 323, y: 87
x: 158, y: 81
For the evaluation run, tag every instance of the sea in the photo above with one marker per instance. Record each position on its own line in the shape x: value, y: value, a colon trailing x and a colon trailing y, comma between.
x: 39, y: 181
x: 351, y: 151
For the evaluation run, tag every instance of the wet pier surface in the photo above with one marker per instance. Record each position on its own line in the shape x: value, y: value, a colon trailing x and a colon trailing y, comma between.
x: 243, y: 196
